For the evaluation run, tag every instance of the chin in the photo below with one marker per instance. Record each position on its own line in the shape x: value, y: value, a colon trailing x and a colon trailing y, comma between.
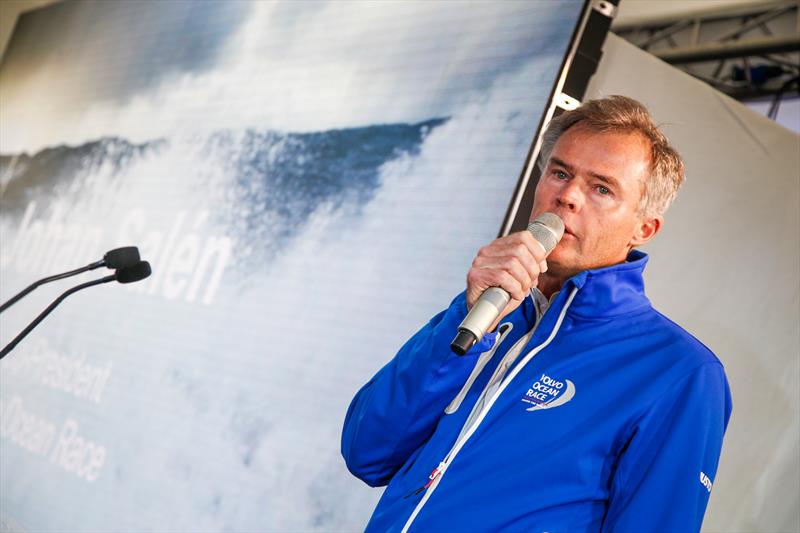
x: 565, y: 261
x: 561, y: 254
x: 559, y: 261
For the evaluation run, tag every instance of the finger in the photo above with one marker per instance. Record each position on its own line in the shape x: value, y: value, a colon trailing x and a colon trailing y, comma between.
x: 510, y: 307
x: 504, y: 280
x: 514, y: 243
x: 509, y: 264
x: 536, y: 248
x: 517, y: 249
x: 510, y: 240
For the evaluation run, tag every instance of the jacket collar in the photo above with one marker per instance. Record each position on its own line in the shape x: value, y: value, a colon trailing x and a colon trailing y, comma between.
x: 606, y: 292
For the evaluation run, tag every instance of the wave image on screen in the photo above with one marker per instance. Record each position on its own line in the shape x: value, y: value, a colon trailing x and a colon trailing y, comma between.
x: 310, y: 182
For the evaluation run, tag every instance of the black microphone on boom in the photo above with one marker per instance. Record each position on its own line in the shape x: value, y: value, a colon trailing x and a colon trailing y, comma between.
x: 133, y: 273
x: 115, y: 259
x: 126, y: 274
x: 547, y: 229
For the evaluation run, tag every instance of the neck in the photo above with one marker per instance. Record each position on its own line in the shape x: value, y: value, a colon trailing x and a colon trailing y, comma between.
x: 551, y: 282
x: 557, y: 274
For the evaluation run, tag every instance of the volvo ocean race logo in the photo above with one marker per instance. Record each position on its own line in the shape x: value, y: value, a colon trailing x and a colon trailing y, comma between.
x: 548, y: 392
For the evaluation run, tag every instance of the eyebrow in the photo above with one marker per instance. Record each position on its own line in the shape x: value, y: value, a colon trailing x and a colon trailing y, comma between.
x: 614, y: 182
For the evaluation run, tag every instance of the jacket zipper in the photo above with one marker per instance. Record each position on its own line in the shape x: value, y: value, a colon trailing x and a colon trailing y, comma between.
x: 494, y: 380
x: 456, y: 403
x: 431, y: 478
x: 436, y: 476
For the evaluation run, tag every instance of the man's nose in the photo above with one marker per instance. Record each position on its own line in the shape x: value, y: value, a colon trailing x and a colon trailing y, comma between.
x: 570, y: 196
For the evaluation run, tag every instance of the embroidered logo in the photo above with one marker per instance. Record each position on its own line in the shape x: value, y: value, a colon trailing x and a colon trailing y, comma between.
x: 548, y: 392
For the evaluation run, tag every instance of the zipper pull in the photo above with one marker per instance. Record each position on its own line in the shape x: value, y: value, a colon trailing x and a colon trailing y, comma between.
x: 431, y: 478
x: 438, y: 471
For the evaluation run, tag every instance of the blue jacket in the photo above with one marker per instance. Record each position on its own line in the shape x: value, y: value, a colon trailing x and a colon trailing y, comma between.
x: 604, y: 416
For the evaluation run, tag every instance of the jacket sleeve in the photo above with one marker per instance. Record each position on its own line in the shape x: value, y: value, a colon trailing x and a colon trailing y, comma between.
x: 398, y: 409
x: 664, y: 475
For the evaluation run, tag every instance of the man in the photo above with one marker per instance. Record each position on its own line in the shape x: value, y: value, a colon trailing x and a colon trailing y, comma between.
x: 586, y: 409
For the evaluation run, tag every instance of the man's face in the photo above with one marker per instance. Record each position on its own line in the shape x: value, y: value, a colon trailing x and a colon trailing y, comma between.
x: 594, y: 182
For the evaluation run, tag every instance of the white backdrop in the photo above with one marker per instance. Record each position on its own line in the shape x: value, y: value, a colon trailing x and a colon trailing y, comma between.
x: 727, y: 268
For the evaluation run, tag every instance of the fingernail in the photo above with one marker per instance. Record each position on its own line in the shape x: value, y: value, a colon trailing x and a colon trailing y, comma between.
x: 543, y: 266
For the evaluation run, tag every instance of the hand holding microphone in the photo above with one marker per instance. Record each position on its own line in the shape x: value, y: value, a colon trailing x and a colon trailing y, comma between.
x: 502, y: 274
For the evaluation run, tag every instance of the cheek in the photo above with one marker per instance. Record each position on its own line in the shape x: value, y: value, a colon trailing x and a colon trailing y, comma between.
x: 598, y: 237
x: 613, y: 237
x: 545, y: 190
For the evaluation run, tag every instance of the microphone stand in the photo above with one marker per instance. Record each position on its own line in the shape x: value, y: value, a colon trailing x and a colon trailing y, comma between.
x: 126, y: 256
x: 33, y: 286
x: 10, y: 346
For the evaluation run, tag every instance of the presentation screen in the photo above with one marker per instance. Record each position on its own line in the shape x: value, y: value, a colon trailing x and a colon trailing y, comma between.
x: 310, y: 182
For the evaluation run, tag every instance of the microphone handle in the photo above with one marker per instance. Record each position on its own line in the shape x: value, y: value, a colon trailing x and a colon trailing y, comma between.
x: 547, y: 231
x: 485, y: 311
x: 17, y: 297
x: 10, y: 346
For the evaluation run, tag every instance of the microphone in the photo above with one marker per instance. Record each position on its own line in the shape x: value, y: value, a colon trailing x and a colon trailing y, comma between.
x: 117, y: 258
x: 127, y: 256
x: 547, y: 229
x: 133, y: 273
x: 126, y: 274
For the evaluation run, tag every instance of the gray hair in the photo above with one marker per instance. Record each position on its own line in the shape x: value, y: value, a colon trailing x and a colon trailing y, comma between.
x: 623, y: 114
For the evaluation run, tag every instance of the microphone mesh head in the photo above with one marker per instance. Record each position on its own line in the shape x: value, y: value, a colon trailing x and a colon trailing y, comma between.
x: 134, y: 273
x: 548, y: 230
x: 122, y: 257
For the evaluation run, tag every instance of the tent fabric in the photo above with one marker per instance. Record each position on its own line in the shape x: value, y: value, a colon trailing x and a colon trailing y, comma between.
x: 727, y: 268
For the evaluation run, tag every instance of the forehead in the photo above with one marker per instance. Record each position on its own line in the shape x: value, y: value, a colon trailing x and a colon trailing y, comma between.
x: 623, y: 155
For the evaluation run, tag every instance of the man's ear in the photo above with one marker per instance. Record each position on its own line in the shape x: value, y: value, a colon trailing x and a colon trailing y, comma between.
x: 646, y: 228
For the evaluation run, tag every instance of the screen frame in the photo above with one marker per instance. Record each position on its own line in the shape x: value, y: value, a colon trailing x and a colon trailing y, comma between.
x: 579, y: 65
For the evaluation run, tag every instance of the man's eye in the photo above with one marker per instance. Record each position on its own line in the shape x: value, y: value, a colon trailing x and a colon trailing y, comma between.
x: 603, y: 190
x: 560, y: 174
